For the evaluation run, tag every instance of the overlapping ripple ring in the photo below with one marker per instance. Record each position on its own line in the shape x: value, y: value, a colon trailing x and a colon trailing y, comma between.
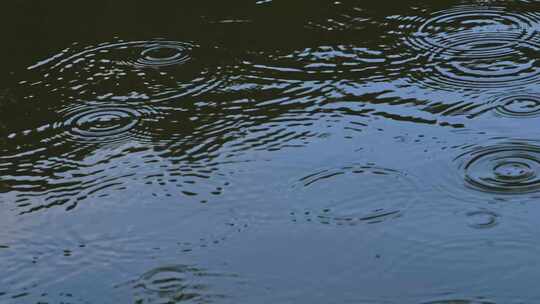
x: 478, y: 47
x: 507, y: 168
x: 102, y: 123
x: 474, y: 32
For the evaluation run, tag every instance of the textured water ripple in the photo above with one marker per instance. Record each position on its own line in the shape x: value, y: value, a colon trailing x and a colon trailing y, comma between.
x: 128, y: 70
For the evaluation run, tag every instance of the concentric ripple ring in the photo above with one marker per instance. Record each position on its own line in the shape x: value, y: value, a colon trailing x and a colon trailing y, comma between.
x: 149, y: 53
x: 102, y: 123
x: 352, y: 194
x: 519, y: 106
x: 503, y: 169
x: 161, y: 55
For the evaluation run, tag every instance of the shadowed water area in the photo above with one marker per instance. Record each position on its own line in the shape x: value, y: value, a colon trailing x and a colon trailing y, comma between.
x: 270, y: 152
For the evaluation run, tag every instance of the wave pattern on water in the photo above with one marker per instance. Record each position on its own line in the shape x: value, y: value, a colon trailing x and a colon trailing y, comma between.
x: 518, y: 105
x: 341, y: 62
x: 474, y: 47
x: 176, y: 284
x: 378, y: 100
x: 354, y: 194
x: 103, y: 123
x: 500, y: 170
x: 487, y: 257
x: 505, y: 168
x: 127, y: 70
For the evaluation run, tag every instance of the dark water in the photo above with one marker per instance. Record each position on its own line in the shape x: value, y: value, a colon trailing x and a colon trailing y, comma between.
x: 270, y: 152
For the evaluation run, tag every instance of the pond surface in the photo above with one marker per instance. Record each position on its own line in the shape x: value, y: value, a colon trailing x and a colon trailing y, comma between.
x: 270, y: 152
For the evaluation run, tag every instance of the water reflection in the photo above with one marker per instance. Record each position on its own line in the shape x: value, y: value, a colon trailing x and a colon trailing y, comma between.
x: 323, y: 62
x: 484, y: 259
x: 372, y: 117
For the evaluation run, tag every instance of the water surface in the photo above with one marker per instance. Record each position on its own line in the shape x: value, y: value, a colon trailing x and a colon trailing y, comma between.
x: 270, y: 152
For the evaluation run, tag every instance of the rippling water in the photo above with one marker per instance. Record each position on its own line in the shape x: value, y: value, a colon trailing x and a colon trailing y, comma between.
x: 270, y: 152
